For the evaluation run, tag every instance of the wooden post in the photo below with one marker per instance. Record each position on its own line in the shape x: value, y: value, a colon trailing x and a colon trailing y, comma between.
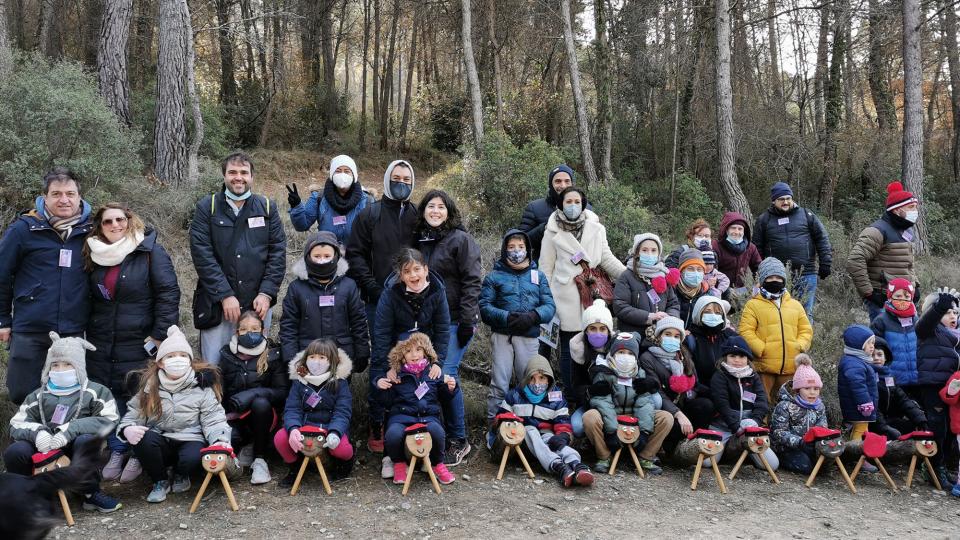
x: 203, y: 488
x: 511, y: 433
x: 66, y: 507
x: 226, y: 487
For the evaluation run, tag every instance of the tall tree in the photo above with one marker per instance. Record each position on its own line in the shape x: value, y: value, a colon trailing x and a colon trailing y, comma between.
x: 473, y: 81
x: 386, y: 89
x: 228, y: 83
x: 48, y: 36
x: 329, y: 64
x: 834, y: 110
x: 362, y: 134
x: 776, y: 77
x: 820, y: 74
x: 112, y: 76
x: 6, y: 54
x: 193, y: 152
x: 170, y: 134
x: 406, y: 102
x: 876, y: 74
x: 579, y: 104
x: 736, y: 200
x: 495, y: 45
x: 912, y: 155
x: 949, y: 38
x: 604, y: 83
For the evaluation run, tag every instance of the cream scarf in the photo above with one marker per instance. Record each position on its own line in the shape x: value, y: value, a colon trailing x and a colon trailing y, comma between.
x: 105, y: 254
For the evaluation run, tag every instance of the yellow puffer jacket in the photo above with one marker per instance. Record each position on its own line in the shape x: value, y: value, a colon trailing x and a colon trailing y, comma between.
x: 775, y: 335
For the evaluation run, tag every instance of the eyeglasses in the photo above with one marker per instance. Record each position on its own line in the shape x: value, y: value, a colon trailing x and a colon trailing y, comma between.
x: 120, y: 220
x: 783, y: 199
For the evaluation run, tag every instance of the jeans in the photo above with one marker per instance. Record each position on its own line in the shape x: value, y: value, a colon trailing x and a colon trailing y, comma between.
x: 156, y: 452
x: 510, y: 357
x: 113, y: 442
x: 805, y: 290
x: 798, y: 460
x: 28, y: 353
x: 213, y: 339
x: 452, y: 404
x: 375, y: 408
x: 18, y: 457
x: 536, y: 442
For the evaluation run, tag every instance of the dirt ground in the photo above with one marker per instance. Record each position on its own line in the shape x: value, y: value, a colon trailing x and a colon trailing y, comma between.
x: 477, y: 506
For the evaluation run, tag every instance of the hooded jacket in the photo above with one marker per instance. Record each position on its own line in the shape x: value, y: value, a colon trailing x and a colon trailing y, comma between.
x: 790, y: 422
x: 938, y: 349
x: 775, y: 334
x: 317, y: 209
x: 796, y: 237
x: 623, y: 401
x: 881, y: 253
x: 901, y: 337
x: 44, y: 295
x: 856, y: 383
x: 551, y: 414
x: 334, y: 406
x: 505, y: 291
x: 738, y: 399
x: 730, y: 260
x: 379, y: 231
x: 455, y: 255
x: 705, y: 342
x: 242, y: 383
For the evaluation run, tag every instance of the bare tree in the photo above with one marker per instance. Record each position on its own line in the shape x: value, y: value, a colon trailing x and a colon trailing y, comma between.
x: 112, y: 76
x: 834, y: 109
x: 725, y: 142
x: 170, y: 134
x: 776, y: 77
x: 580, y: 105
x: 497, y: 76
x: 877, y: 77
x: 473, y: 81
x: 912, y: 155
x: 820, y: 75
x: 386, y: 89
x: 406, y: 102
x: 48, y: 38
x: 362, y: 134
x: 228, y: 83
x: 193, y: 167
x: 6, y: 54
x: 953, y: 63
x: 604, y: 90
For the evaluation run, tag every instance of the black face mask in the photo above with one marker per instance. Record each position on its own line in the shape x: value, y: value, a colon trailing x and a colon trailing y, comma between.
x: 400, y: 190
x: 322, y: 271
x: 773, y: 286
x: 250, y: 340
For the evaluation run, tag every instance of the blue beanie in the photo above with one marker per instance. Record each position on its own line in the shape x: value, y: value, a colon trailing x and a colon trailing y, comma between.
x: 557, y: 169
x: 780, y: 189
x: 736, y: 345
x: 856, y: 335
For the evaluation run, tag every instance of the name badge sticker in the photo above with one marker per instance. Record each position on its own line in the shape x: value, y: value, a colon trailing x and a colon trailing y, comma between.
x: 783, y: 221
x: 907, y: 235
x: 103, y: 291
x: 554, y: 396
x: 255, y: 222
x: 535, y: 277
x: 624, y: 381
x: 889, y: 381
x: 59, y: 414
x: 66, y: 258
x: 421, y: 390
x: 313, y: 399
x: 339, y: 220
x: 749, y: 397
x: 653, y: 296
x: 327, y: 301
x: 577, y: 257
x: 601, y: 360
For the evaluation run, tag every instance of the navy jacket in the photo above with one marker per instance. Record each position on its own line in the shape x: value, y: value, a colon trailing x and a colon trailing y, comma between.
x: 379, y: 231
x: 902, y: 341
x: 333, y: 408
x: 403, y: 399
x: 44, y: 295
x: 799, y: 240
x: 856, y: 385
x: 705, y: 344
x: 733, y: 401
x: 938, y: 350
x: 506, y: 291
x: 242, y: 384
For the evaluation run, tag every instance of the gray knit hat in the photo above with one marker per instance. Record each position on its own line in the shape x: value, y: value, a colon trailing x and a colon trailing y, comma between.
x: 72, y: 350
x: 643, y: 237
x: 771, y: 266
x: 668, y: 322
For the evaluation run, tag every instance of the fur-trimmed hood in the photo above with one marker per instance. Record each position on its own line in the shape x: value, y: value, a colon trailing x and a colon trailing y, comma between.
x: 342, y: 366
x: 416, y: 339
x: 299, y: 268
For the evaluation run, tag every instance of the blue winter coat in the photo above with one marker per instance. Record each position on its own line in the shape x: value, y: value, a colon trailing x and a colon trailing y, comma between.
x: 856, y: 385
x: 403, y: 398
x: 902, y: 341
x: 938, y: 350
x: 44, y: 295
x: 334, y: 408
x: 317, y: 210
x: 506, y: 290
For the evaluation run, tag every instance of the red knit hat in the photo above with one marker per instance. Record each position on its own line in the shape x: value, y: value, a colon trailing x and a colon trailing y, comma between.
x: 897, y: 196
x: 899, y: 284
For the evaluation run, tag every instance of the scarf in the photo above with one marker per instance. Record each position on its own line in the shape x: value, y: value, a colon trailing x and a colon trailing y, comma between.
x: 235, y: 347
x: 739, y: 373
x: 318, y: 380
x: 574, y: 227
x: 668, y: 359
x: 342, y: 204
x: 63, y: 226
x: 735, y: 248
x: 61, y: 391
x: 858, y: 353
x: 689, y: 292
x: 175, y: 385
x: 113, y: 254
x: 804, y: 404
x: 531, y: 397
x: 645, y: 271
x: 773, y: 297
x: 902, y: 313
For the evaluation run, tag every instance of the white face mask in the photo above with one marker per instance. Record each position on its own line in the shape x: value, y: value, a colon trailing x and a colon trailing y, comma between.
x: 624, y: 364
x: 912, y: 216
x: 64, y: 379
x: 176, y: 366
x: 318, y: 367
x: 342, y: 180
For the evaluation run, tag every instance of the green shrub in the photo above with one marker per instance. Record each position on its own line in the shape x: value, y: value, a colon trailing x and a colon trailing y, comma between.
x: 620, y: 212
x: 690, y: 201
x: 219, y: 127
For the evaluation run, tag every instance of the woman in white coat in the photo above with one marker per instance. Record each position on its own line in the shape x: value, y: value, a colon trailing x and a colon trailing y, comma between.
x: 573, y: 236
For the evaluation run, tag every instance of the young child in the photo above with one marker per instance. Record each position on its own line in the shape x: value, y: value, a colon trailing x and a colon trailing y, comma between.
x: 65, y: 412
x: 171, y: 418
x: 254, y: 387
x: 897, y: 413
x: 738, y: 395
x: 794, y: 415
x: 324, y: 303
x: 630, y: 394
x: 950, y: 394
x: 415, y: 397
x: 775, y: 326
x: 717, y: 281
x: 319, y: 396
x: 709, y: 331
x: 897, y: 325
x: 857, y: 380
x: 514, y: 300
x: 541, y: 405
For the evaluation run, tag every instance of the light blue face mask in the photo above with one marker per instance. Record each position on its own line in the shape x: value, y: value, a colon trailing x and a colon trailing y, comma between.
x: 572, y: 211
x: 712, y: 319
x: 735, y: 241
x: 692, y: 278
x: 670, y: 344
x: 648, y: 260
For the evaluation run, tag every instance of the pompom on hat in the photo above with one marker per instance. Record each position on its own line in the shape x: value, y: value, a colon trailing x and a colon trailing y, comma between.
x: 897, y: 196
x: 805, y: 376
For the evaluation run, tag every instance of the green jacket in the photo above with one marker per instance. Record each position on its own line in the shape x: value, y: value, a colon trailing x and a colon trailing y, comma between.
x: 623, y: 401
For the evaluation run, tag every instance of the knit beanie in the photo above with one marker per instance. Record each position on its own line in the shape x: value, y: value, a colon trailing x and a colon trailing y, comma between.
x: 805, y: 376
x: 597, y: 313
x: 668, y: 322
x: 176, y: 342
x: 897, y: 196
x: 705, y: 301
x: 780, y: 189
x: 856, y: 335
x: 771, y: 266
x: 736, y: 345
x: 643, y: 237
x: 624, y: 340
x: 899, y: 284
x: 72, y: 350
x: 318, y: 238
x: 709, y: 257
x: 690, y: 257
x: 559, y: 169
x: 342, y: 160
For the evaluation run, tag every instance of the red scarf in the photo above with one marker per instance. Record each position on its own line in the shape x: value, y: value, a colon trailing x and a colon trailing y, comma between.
x: 905, y: 313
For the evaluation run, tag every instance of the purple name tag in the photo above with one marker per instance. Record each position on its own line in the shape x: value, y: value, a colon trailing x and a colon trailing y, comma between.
x: 577, y: 257
x: 783, y: 221
x: 339, y: 220
x: 653, y: 296
x: 59, y: 414
x: 907, y: 235
x: 313, y: 399
x: 906, y: 321
x: 103, y: 291
x: 749, y: 397
x: 327, y: 301
x: 421, y: 390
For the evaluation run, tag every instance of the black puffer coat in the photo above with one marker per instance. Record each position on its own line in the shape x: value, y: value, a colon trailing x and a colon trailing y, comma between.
x: 242, y: 384
x: 796, y: 237
x: 455, y: 255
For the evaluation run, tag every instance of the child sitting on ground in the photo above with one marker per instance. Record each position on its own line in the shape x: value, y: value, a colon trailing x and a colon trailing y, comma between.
x: 415, y: 399
x: 541, y: 405
x: 857, y: 380
x: 897, y: 413
x: 795, y: 414
x: 319, y: 397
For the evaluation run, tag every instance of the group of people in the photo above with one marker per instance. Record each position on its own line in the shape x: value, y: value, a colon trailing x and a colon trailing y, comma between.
x: 397, y: 289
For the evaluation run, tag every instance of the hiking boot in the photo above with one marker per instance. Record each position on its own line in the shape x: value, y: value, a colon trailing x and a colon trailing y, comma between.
x: 159, y: 492
x: 399, y: 471
x: 582, y: 475
x: 651, y: 467
x: 131, y: 471
x: 386, y: 468
x: 245, y: 457
x: 181, y: 483
x: 444, y: 476
x: 101, y: 502
x: 111, y: 471
x: 457, y: 449
x: 261, y: 472
x: 602, y: 466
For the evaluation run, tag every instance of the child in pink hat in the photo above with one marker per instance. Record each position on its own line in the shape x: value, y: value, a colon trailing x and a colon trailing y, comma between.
x: 796, y: 412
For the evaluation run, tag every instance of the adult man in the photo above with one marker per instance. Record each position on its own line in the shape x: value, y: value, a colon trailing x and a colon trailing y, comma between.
x: 884, y: 250
x: 239, y: 250
x: 537, y: 213
x: 796, y: 236
x: 42, y: 283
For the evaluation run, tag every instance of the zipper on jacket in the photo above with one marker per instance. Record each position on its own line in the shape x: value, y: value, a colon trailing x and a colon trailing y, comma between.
x: 783, y: 337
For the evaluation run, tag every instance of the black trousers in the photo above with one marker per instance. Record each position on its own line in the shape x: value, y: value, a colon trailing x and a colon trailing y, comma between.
x: 18, y: 457
x: 157, y: 452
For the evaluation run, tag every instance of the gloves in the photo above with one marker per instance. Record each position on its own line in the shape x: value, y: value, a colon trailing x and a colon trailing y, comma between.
x: 945, y: 302
x: 333, y: 441
x: 646, y: 385
x: 58, y: 441
x: 824, y: 272
x: 518, y: 323
x: 600, y: 389
x: 681, y: 383
x: 877, y: 298
x: 612, y: 441
x: 464, y: 333
x: 134, y: 434
x: 659, y: 284
x: 293, y: 196
x: 866, y: 409
x: 953, y: 388
x: 42, y: 441
x: 558, y: 442
x: 946, y: 290
x: 890, y: 431
x: 295, y: 439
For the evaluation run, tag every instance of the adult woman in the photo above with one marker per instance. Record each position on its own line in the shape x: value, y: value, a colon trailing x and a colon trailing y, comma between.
x: 698, y: 237
x: 135, y: 299
x: 737, y: 256
x: 708, y: 333
x: 451, y: 252
x: 641, y: 295
x: 691, y: 285
x: 336, y: 206
x: 574, y: 239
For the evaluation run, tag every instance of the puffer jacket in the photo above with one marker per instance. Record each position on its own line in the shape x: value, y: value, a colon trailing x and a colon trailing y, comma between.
x: 91, y: 410
x: 551, y: 414
x: 738, y: 399
x: 455, y: 256
x: 242, y: 383
x: 938, y: 349
x: 189, y: 414
x: 343, y: 320
x: 381, y: 229
x: 954, y: 403
x: 44, y: 295
x: 672, y: 401
x: 893, y: 402
x: 901, y: 337
x: 856, y: 385
x: 705, y: 344
x: 790, y: 422
x: 796, y: 237
x: 623, y: 400
x: 775, y: 334
x: 555, y: 261
x: 633, y: 302
x: 881, y: 253
x: 736, y: 261
x: 506, y: 291
x: 334, y: 408
x: 317, y: 209
x: 403, y: 395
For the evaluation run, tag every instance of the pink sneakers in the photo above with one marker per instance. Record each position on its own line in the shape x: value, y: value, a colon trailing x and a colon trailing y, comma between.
x: 400, y: 472
x: 443, y: 474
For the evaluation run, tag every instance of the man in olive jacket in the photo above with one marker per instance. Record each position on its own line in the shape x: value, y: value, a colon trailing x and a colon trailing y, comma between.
x: 240, y: 252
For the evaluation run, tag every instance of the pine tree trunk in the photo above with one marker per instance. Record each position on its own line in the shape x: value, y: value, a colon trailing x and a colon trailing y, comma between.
x: 228, y: 84
x: 604, y: 90
x: 725, y: 140
x: 820, y: 74
x: 406, y: 102
x: 497, y: 75
x: 112, y: 76
x: 193, y: 166
x: 376, y: 62
x: 776, y: 77
x: 329, y: 65
x: 387, y: 87
x: 834, y: 111
x: 473, y: 82
x: 877, y: 77
x: 170, y: 144
x: 48, y: 40
x: 579, y: 103
x: 276, y: 75
x: 362, y: 135
x: 912, y: 155
x: 6, y: 50
x: 949, y: 38
x: 142, y: 54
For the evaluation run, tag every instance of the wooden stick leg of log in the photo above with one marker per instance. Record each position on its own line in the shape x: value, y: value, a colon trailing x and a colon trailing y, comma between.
x: 636, y: 461
x: 433, y: 476
x: 856, y: 468
x: 770, y: 471
x: 203, y: 488
x: 613, y: 464
x: 815, y: 471
x: 716, y: 472
x: 696, y: 473
x: 323, y: 475
x: 736, y: 467
x: 523, y: 459
x: 911, y: 470
x: 846, y: 477
x: 886, y: 476
x: 296, y: 483
x: 932, y: 473
x: 503, y: 462
x: 226, y: 487
x: 66, y: 507
x: 406, y: 482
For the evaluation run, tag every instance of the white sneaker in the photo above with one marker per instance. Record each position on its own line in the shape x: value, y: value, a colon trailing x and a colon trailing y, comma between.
x: 111, y: 471
x: 386, y: 468
x: 246, y: 455
x: 261, y: 472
